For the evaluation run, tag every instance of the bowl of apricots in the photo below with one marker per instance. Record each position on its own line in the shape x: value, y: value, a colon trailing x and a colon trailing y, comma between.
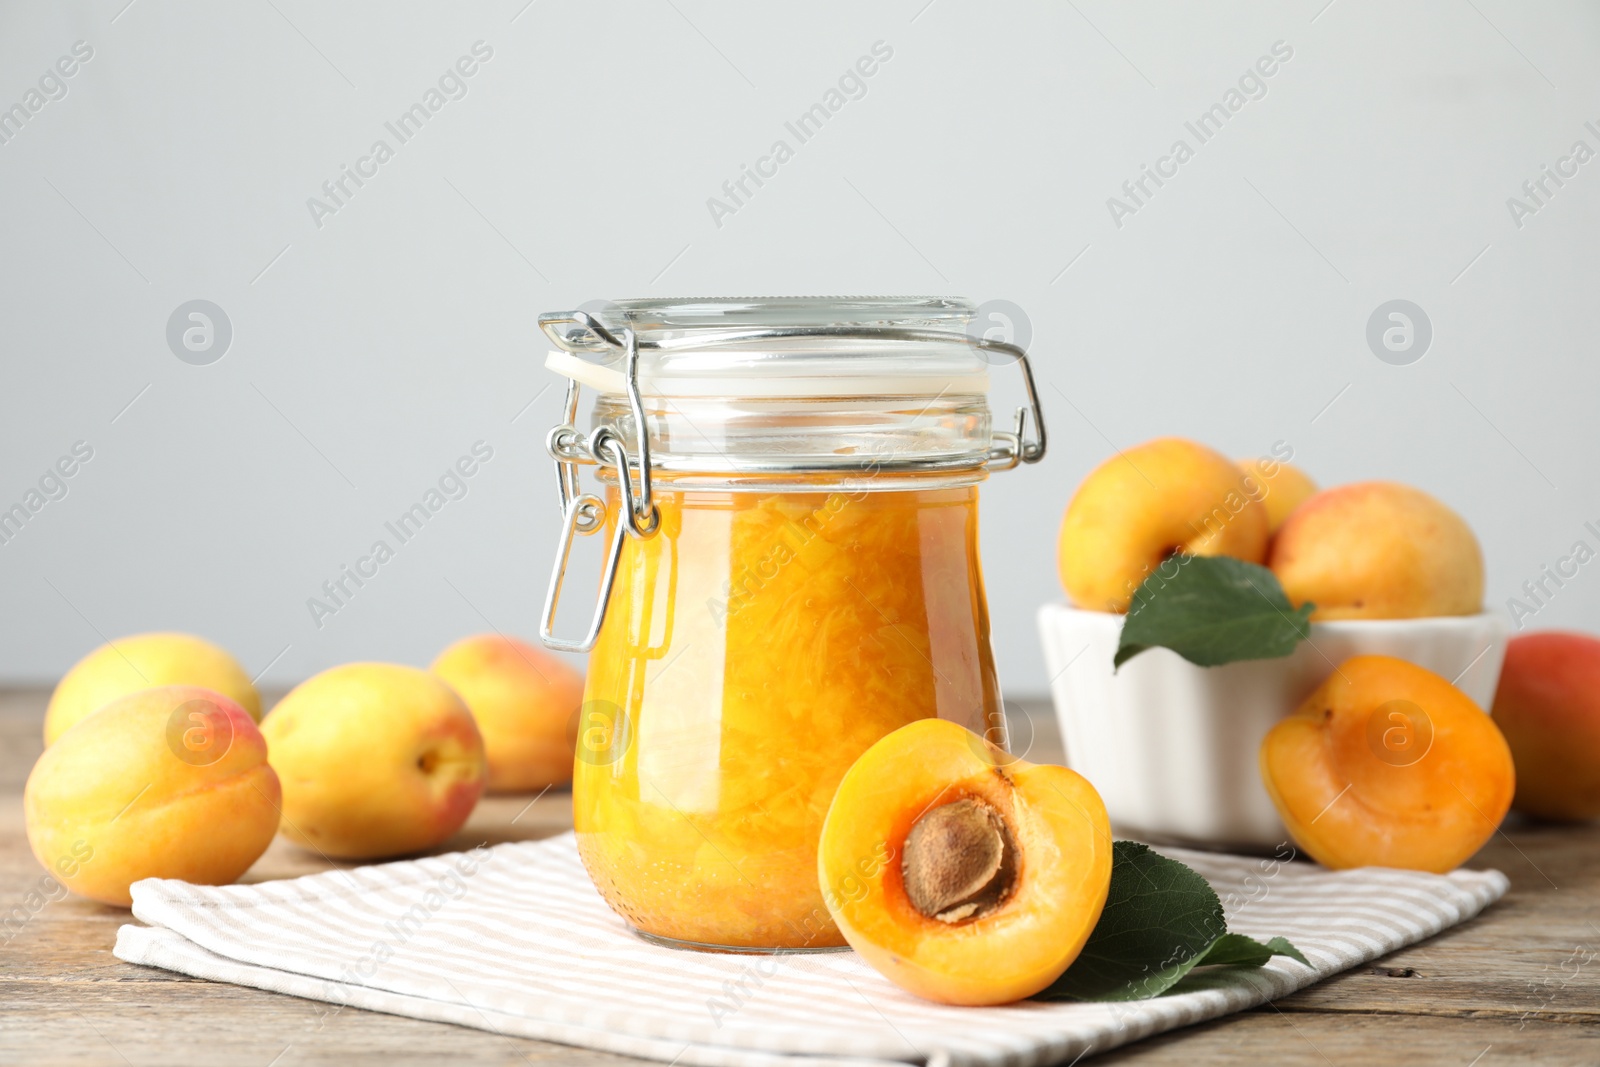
x: 1246, y: 661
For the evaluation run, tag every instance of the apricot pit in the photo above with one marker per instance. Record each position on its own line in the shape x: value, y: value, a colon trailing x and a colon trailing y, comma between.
x: 960, y: 861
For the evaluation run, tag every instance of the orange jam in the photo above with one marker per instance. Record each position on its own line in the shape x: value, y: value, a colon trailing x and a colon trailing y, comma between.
x: 752, y: 649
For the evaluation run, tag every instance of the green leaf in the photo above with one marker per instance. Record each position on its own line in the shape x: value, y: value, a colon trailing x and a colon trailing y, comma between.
x: 1241, y: 951
x: 1159, y: 913
x: 1282, y: 946
x: 1235, y: 949
x: 1213, y: 610
x: 1161, y: 921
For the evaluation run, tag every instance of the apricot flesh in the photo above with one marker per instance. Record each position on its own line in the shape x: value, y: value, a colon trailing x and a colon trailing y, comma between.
x: 963, y: 875
x: 1138, y: 508
x: 143, y: 661
x: 168, y: 782
x: 1378, y: 550
x: 1548, y: 707
x: 525, y: 702
x: 1388, y: 765
x: 376, y: 760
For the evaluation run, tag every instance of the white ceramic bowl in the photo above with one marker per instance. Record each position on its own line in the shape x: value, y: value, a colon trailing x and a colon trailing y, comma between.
x: 1172, y: 747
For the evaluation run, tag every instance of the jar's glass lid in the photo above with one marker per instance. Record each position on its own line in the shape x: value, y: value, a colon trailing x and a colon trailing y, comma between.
x: 776, y: 346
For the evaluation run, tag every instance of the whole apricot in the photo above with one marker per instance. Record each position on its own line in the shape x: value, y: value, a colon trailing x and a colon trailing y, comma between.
x: 525, y: 702
x: 964, y: 875
x: 1388, y: 765
x: 169, y: 782
x: 1548, y: 707
x: 1156, y: 500
x: 1283, y: 487
x: 376, y: 760
x: 1378, y: 550
x: 143, y: 661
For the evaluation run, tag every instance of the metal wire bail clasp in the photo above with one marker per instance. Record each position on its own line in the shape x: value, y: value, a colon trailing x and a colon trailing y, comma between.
x: 585, y: 513
x: 1010, y: 449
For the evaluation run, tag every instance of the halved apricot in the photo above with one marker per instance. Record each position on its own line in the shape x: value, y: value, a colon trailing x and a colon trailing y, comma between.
x: 964, y: 875
x: 1387, y: 764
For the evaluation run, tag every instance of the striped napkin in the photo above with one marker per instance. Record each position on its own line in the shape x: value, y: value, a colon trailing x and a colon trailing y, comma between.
x: 514, y: 939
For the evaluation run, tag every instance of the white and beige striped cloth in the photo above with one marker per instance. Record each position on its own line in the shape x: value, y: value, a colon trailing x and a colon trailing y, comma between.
x: 514, y: 939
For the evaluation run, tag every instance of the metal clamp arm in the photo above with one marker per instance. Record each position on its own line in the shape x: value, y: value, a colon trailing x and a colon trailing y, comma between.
x: 584, y: 513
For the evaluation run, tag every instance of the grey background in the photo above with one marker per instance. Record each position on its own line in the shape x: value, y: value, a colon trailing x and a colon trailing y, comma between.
x: 372, y: 352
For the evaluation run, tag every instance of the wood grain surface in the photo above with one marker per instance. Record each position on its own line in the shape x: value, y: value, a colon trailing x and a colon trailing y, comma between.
x: 1518, y: 985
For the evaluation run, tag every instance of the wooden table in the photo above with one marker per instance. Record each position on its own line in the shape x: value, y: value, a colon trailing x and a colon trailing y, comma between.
x: 1520, y: 984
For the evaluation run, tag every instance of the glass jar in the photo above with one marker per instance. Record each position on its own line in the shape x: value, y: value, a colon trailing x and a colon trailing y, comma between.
x: 790, y: 508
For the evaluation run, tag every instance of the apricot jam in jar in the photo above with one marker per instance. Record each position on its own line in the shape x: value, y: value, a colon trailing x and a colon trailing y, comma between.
x: 788, y: 502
